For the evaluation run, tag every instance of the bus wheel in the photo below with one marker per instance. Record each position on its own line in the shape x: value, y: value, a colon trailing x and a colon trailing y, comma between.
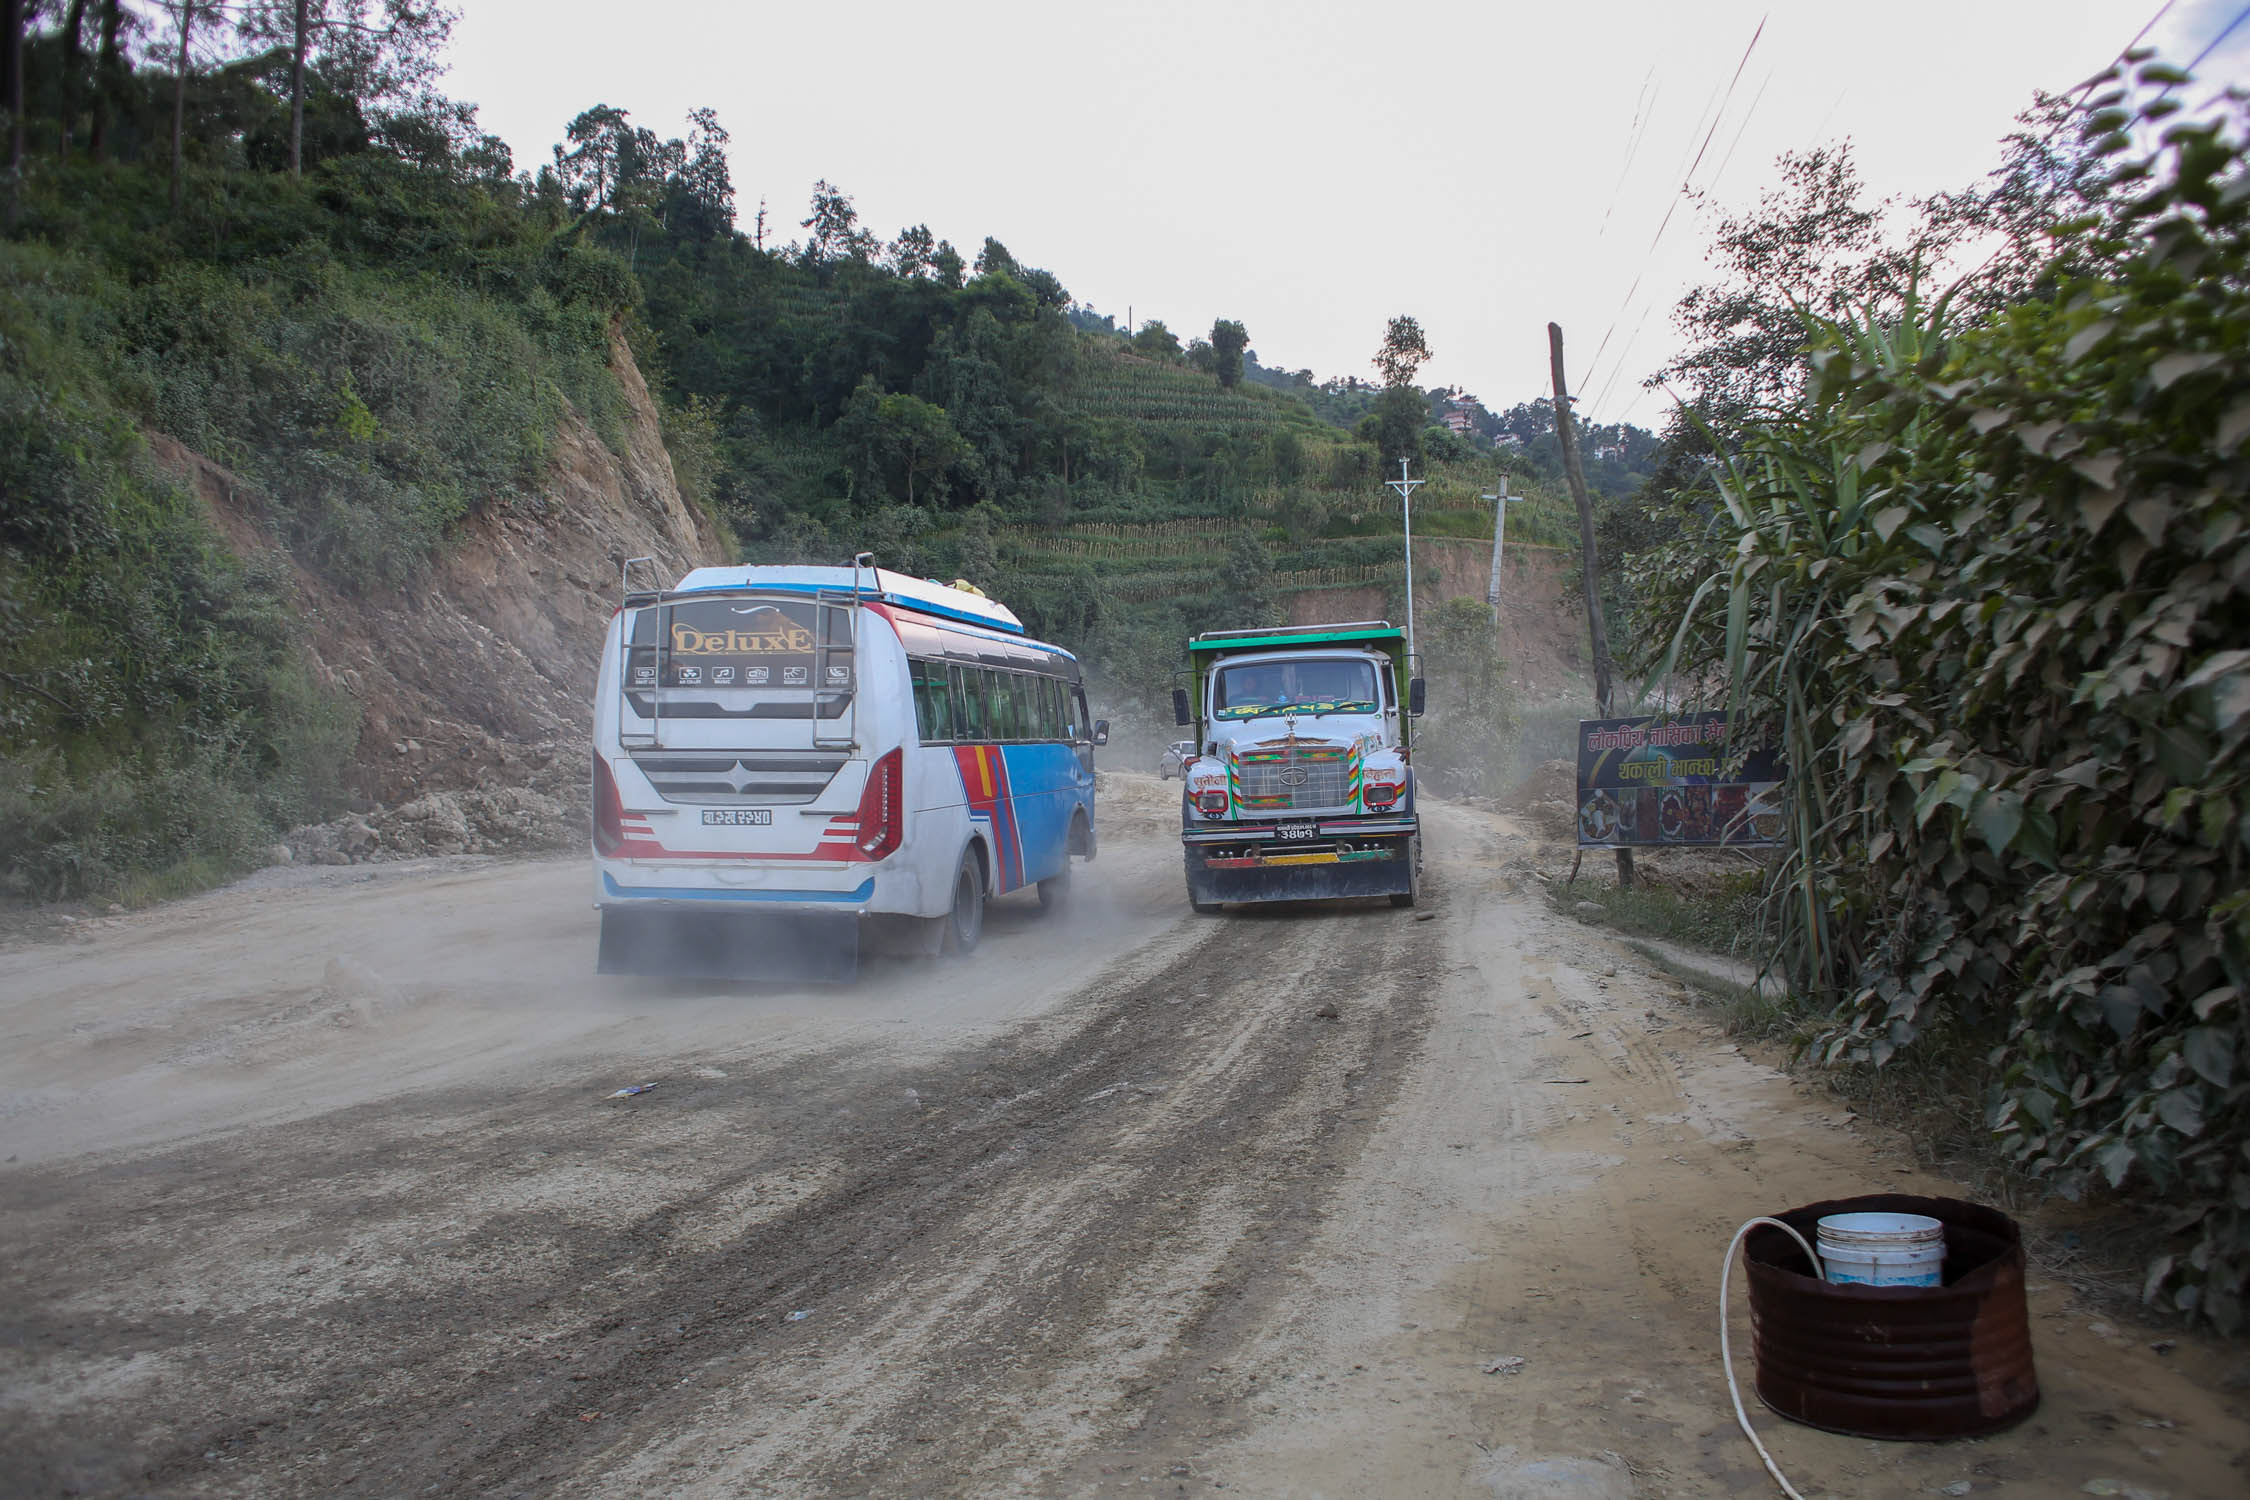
x: 1055, y: 889
x: 968, y: 904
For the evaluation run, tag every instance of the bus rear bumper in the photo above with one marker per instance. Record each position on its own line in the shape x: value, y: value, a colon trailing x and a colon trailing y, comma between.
x: 651, y: 889
x: 752, y: 945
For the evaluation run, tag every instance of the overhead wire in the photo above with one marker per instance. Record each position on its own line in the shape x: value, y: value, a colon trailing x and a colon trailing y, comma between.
x: 1705, y: 115
x: 2154, y: 20
x: 1686, y: 179
x: 1747, y: 115
x: 1644, y: 109
x: 2239, y: 17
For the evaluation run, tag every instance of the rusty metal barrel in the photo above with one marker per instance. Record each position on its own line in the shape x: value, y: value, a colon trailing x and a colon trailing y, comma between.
x: 1953, y: 1360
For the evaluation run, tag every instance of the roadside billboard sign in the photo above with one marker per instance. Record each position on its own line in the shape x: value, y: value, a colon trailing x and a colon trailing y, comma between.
x: 1676, y: 779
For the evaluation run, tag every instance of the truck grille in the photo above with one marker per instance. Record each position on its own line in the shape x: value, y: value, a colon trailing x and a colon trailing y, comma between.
x: 730, y: 778
x: 1287, y: 780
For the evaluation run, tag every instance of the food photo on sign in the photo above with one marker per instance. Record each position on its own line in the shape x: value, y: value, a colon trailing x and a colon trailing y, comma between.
x: 1686, y: 778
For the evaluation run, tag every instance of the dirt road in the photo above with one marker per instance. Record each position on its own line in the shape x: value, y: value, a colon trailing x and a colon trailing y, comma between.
x: 315, y: 1186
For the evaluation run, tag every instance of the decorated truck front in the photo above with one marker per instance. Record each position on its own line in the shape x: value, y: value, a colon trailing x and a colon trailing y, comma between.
x: 1301, y: 786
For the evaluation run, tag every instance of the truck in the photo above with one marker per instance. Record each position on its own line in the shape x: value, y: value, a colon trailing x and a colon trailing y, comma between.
x: 1301, y: 784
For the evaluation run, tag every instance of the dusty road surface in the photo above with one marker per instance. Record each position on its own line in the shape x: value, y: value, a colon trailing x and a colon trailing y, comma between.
x: 316, y: 1187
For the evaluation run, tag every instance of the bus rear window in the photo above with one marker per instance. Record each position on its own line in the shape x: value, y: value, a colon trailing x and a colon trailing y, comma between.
x: 736, y: 643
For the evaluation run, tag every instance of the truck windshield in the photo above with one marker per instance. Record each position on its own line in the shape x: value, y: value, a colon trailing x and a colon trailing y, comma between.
x: 1315, y: 685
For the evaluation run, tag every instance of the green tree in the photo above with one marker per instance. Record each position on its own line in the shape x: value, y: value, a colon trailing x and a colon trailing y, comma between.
x: 836, y: 235
x: 1155, y: 341
x: 1403, y: 353
x: 901, y: 436
x: 947, y: 265
x: 1228, y: 340
x: 995, y: 259
x: 1394, y: 426
x: 1247, y: 581
x: 914, y: 253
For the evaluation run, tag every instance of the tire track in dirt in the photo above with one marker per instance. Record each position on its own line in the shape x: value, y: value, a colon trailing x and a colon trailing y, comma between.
x: 1067, y: 1208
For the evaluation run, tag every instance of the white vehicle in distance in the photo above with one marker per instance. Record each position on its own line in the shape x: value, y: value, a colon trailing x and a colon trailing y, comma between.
x: 1176, y: 756
x: 786, y: 757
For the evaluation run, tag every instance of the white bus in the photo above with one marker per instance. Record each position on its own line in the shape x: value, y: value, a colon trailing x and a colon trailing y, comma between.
x: 836, y: 748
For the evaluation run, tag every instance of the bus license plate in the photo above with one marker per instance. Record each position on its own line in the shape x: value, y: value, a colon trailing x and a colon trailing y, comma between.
x: 1292, y: 832
x: 739, y: 817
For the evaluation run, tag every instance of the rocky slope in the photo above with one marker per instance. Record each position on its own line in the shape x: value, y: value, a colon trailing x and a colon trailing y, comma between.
x: 475, y: 683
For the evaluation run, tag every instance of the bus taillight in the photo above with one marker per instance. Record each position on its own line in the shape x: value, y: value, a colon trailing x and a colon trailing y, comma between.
x: 882, y: 809
x: 609, y: 809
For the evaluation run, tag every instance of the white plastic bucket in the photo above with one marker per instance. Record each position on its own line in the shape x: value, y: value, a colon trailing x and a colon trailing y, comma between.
x: 1882, y: 1249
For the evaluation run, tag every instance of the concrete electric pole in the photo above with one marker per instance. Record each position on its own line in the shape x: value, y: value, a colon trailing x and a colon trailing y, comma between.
x: 1406, y: 488
x: 1500, y: 503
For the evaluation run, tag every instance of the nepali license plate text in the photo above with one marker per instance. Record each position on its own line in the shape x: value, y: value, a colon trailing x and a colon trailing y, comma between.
x: 739, y: 817
x: 1291, y: 832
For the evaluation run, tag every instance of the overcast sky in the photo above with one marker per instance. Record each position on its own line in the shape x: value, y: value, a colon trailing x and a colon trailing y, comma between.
x: 1313, y: 168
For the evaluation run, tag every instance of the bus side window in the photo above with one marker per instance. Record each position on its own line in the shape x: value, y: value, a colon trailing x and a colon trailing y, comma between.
x: 917, y: 674
x: 969, y: 681
x: 1015, y: 699
x: 933, y: 702
x: 1057, y: 725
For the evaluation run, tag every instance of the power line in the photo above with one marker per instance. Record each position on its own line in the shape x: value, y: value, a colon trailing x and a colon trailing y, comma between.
x: 1747, y: 116
x: 2123, y: 52
x: 1703, y: 116
x: 1644, y: 110
x: 1685, y: 179
x: 2239, y: 17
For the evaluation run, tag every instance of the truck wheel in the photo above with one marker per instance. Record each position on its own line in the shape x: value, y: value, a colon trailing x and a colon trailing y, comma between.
x: 966, y: 925
x: 1413, y: 891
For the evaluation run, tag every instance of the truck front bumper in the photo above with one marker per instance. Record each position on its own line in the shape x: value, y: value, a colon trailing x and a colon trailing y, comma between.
x: 1373, y: 860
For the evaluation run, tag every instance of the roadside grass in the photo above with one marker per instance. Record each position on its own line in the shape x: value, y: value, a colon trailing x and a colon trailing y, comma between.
x: 1714, y: 912
x: 1930, y: 1098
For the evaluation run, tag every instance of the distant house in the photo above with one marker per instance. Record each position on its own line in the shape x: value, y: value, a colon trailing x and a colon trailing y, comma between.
x: 1461, y: 413
x: 1508, y: 440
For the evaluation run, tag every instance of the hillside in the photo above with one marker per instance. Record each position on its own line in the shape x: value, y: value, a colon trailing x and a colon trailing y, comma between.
x: 355, y: 445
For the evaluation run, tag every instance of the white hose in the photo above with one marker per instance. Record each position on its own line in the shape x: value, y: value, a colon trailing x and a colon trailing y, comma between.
x: 1726, y: 1353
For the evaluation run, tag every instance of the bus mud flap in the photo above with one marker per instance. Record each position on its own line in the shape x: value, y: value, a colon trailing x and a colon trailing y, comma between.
x: 749, y: 947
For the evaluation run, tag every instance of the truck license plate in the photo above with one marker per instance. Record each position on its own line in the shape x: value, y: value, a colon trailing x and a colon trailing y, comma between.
x: 739, y: 817
x: 1292, y: 832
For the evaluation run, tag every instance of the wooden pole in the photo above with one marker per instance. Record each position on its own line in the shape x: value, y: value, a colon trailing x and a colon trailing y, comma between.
x: 13, y: 19
x: 179, y: 99
x: 1590, y: 568
x: 297, y: 45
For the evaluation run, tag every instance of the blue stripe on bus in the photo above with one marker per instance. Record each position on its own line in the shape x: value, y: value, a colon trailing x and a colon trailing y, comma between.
x: 865, y: 890
x: 1044, y: 779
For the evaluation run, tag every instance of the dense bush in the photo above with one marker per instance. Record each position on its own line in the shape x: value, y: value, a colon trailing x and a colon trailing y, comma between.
x: 376, y: 350
x: 155, y: 711
x: 1995, y: 585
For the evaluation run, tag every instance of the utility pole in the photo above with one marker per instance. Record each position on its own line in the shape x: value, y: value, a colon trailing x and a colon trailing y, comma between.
x: 1406, y: 488
x: 14, y: 17
x: 1589, y: 563
x: 1501, y: 500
